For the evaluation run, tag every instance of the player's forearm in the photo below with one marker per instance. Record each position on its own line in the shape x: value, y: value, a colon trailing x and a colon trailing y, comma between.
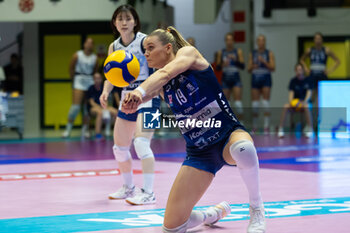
x: 153, y: 84
x: 107, y: 87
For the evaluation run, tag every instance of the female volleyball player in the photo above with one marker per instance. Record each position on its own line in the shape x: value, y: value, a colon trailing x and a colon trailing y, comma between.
x: 187, y: 83
x: 261, y: 64
x: 230, y: 59
x: 318, y: 55
x: 81, y: 69
x: 126, y: 24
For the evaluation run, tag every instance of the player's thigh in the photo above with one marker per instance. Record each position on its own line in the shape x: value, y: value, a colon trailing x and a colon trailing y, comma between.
x: 188, y: 187
x: 255, y: 92
x: 266, y: 91
x: 237, y: 92
x: 78, y: 96
x: 123, y: 131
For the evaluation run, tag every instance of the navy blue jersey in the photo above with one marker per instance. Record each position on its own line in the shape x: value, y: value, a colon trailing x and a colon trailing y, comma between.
x: 94, y: 94
x: 318, y: 60
x: 200, y: 108
x: 262, y: 70
x: 231, y: 69
x: 299, y: 87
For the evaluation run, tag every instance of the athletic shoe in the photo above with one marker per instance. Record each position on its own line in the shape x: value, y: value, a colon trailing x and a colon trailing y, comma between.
x: 223, y: 209
x: 142, y: 198
x: 123, y: 192
x: 257, y: 220
x: 66, y: 134
x: 280, y: 133
x: 86, y: 134
x: 98, y: 137
x: 308, y: 132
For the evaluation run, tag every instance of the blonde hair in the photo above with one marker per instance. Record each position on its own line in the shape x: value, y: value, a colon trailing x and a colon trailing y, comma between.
x: 172, y: 36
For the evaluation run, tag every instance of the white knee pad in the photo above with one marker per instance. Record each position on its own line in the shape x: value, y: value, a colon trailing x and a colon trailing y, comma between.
x: 265, y: 105
x: 73, y: 111
x: 244, y: 153
x: 143, y: 148
x: 121, y: 153
x: 179, y: 229
x: 239, y: 106
x: 255, y: 106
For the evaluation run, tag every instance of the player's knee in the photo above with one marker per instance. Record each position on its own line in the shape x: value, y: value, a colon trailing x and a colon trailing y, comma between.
x: 73, y: 111
x: 143, y: 148
x: 121, y: 153
x: 244, y: 153
x: 179, y: 229
x: 239, y: 106
x: 255, y: 106
x: 265, y: 105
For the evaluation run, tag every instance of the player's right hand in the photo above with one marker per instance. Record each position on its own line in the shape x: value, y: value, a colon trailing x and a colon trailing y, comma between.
x: 103, y: 99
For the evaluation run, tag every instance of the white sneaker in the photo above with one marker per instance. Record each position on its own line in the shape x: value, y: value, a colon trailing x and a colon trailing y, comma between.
x: 308, y: 132
x: 86, y: 134
x: 142, y: 198
x: 257, y: 220
x: 122, y: 193
x: 280, y: 133
x: 66, y: 134
x: 223, y: 209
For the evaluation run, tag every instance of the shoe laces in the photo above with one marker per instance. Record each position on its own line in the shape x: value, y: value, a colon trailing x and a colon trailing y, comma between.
x: 257, y: 215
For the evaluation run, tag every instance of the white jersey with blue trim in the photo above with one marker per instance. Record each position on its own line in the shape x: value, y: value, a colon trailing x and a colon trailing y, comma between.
x: 85, y: 64
x: 135, y: 47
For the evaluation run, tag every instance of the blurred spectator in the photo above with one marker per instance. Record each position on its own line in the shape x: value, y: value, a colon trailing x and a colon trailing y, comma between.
x: 300, y: 90
x: 95, y: 109
x: 14, y: 75
x: 230, y: 60
x: 261, y: 64
x: 82, y: 67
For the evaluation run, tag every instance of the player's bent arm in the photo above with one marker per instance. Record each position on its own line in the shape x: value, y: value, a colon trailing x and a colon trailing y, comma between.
x: 303, y: 58
x: 72, y: 64
x: 250, y: 63
x: 107, y: 87
x: 308, y: 95
x: 291, y: 96
x: 186, y: 58
x: 334, y: 57
x: 271, y: 64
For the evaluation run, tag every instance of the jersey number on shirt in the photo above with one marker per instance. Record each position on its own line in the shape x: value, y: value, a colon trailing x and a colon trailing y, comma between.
x: 181, y: 98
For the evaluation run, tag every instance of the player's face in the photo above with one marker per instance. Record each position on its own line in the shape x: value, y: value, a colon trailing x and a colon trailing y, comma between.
x: 155, y: 52
x: 89, y: 44
x: 229, y: 41
x: 125, y: 22
x: 260, y: 42
x: 318, y: 40
x: 299, y: 71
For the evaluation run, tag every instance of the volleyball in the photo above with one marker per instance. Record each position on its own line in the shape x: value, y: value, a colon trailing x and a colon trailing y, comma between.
x: 296, y: 104
x: 121, y: 68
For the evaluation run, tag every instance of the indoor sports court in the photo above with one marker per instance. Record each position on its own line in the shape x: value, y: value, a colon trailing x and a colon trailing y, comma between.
x: 57, y: 173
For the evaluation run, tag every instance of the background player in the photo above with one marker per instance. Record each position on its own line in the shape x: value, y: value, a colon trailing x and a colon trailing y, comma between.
x: 181, y: 66
x: 126, y: 24
x: 230, y: 59
x: 261, y: 64
x: 318, y: 55
x: 81, y: 69
x: 299, y: 88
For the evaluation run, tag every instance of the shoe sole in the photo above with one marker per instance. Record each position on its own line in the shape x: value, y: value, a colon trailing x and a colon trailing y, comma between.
x: 133, y: 203
x: 113, y: 198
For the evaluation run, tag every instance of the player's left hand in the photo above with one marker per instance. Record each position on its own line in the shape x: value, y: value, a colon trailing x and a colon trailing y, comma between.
x: 131, y: 102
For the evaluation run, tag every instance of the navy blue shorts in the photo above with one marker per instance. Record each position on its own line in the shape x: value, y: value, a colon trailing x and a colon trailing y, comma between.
x: 229, y: 81
x: 260, y: 81
x: 151, y: 105
x: 210, y: 158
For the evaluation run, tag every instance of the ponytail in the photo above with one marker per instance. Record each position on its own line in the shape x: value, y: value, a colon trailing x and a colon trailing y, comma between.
x: 172, y: 36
